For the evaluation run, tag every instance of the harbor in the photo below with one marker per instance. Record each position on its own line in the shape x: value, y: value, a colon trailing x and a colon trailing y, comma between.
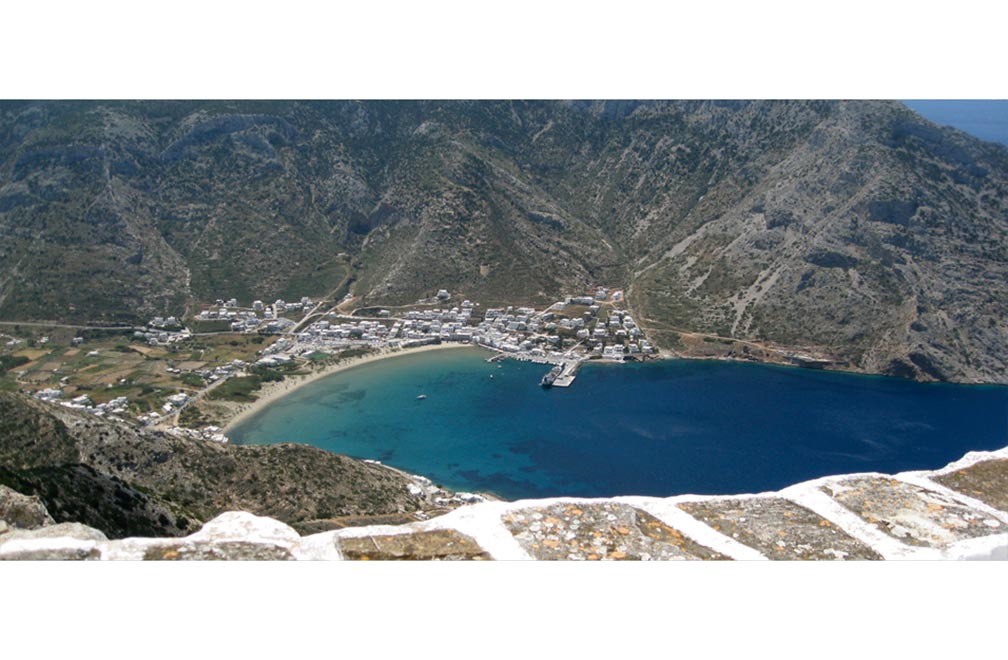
x: 638, y: 428
x: 563, y: 373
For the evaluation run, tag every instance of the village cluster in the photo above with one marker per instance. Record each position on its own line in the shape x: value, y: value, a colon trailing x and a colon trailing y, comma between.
x: 565, y: 334
x: 249, y: 320
x: 260, y: 318
x: 576, y: 327
x: 117, y: 406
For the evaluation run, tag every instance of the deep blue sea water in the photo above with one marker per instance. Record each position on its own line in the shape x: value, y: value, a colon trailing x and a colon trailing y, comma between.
x: 660, y: 428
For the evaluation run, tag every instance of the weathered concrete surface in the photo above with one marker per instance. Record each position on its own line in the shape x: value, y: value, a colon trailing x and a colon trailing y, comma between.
x: 309, y: 527
x: 234, y: 535
x: 21, y: 511
x: 986, y: 481
x: 244, y: 527
x: 912, y: 514
x: 65, y: 552
x: 599, y: 531
x: 227, y: 550
x: 63, y: 541
x: 435, y: 544
x: 778, y: 528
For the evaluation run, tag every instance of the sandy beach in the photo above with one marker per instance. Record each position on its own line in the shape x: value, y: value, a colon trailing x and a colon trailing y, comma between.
x: 271, y: 392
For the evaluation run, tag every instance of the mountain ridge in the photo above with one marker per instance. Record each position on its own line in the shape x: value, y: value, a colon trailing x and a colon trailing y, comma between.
x: 855, y: 228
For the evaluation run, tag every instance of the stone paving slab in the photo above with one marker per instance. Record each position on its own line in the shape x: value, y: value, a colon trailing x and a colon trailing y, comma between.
x: 986, y: 481
x: 599, y: 531
x: 436, y: 544
x: 912, y: 514
x: 779, y: 529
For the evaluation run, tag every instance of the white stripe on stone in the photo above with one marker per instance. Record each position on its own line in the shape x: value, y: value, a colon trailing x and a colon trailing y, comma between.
x: 483, y: 523
x: 808, y: 495
x: 697, y: 531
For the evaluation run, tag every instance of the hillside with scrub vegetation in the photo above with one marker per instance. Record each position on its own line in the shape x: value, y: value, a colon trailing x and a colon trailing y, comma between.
x: 855, y: 229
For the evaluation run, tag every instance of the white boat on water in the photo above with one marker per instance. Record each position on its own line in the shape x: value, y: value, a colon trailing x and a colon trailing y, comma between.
x: 422, y: 396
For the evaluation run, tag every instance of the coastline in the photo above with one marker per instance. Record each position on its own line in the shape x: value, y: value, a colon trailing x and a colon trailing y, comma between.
x: 273, y: 391
x: 668, y: 354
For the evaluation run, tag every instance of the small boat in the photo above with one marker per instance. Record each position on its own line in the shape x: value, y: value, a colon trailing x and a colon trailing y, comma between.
x: 422, y: 396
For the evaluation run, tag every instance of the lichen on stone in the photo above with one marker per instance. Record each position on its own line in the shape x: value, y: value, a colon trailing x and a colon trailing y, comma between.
x: 778, y: 528
x: 912, y: 514
x: 435, y: 544
x: 599, y: 530
x: 986, y: 481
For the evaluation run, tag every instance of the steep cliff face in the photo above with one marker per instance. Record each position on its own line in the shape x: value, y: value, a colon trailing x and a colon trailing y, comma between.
x: 856, y: 228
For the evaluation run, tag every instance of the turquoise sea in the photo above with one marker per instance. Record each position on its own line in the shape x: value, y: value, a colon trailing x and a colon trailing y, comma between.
x: 659, y: 428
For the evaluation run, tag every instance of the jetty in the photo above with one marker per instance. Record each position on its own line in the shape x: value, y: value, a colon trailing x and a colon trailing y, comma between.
x: 568, y: 373
x: 563, y: 373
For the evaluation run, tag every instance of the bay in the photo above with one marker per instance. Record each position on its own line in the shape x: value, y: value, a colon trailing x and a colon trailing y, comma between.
x: 659, y: 428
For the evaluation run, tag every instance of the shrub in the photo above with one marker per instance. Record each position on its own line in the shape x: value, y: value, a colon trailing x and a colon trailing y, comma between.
x: 8, y: 362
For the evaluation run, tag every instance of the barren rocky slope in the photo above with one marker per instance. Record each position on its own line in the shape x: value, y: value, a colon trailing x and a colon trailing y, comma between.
x: 128, y: 481
x: 857, y: 229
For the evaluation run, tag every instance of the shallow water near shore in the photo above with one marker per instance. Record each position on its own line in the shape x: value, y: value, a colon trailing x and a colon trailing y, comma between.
x: 659, y: 428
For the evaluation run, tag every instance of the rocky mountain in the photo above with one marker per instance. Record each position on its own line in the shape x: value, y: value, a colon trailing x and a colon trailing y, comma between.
x: 857, y: 229
x: 127, y: 481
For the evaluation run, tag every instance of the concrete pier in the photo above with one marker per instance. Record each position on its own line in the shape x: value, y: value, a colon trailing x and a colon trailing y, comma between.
x: 570, y: 365
x: 568, y: 374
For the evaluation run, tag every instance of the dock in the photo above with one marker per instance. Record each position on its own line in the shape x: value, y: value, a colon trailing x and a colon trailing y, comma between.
x: 569, y: 365
x: 568, y: 374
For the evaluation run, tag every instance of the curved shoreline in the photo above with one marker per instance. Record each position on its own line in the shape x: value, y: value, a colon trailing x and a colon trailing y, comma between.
x: 273, y: 391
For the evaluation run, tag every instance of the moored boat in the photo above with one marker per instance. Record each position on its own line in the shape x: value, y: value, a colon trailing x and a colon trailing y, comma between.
x: 547, y: 380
